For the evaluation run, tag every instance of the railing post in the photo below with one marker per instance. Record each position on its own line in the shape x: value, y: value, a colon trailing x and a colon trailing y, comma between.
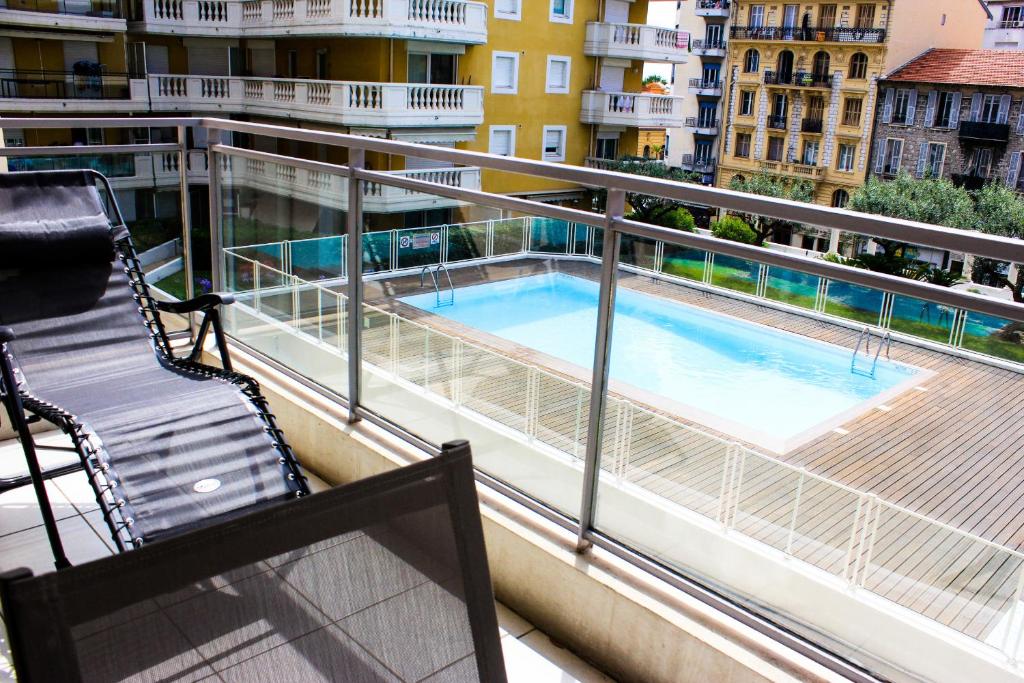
x: 186, y: 217
x: 217, y: 264
x: 354, y: 228
x: 614, y: 208
x: 796, y: 510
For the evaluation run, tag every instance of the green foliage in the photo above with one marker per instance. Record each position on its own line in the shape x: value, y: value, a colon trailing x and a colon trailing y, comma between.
x: 679, y: 219
x: 648, y: 209
x: 928, y: 200
x: 999, y: 211
x: 734, y: 229
x: 654, y: 78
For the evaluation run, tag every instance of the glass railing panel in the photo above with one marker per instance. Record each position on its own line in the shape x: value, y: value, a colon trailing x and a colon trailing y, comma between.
x: 791, y: 287
x: 684, y: 262
x: 854, y: 302
x: 466, y: 241
x: 993, y: 336
x: 418, y: 247
x: 318, y: 258
x: 923, y: 319
x: 377, y: 251
x: 640, y: 252
x: 739, y: 275
x: 549, y: 235
x: 581, y: 239
x: 510, y: 236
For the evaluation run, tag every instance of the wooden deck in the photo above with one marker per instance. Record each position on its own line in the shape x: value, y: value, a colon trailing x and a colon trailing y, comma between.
x: 949, y: 450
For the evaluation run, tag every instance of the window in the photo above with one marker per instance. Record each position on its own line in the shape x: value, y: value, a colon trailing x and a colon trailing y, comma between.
x: 980, y: 163
x: 865, y: 16
x: 1013, y: 17
x: 558, y: 75
x: 751, y: 61
x: 900, y: 106
x: 840, y: 198
x: 851, y: 111
x: 743, y: 144
x: 561, y: 11
x: 780, y: 106
x: 553, y: 143
x: 989, y: 109
x: 706, y: 115
x: 746, y: 103
x: 505, y: 73
x: 775, y: 148
x: 844, y: 162
x: 821, y: 65
x: 702, y: 152
x: 859, y: 66
x: 827, y: 17
x: 936, y: 157
x: 503, y: 141
x: 508, y: 9
x: 755, y: 17
x: 892, y: 156
x: 945, y: 105
x: 810, y: 155
x: 438, y: 69
x: 607, y: 148
x: 816, y: 108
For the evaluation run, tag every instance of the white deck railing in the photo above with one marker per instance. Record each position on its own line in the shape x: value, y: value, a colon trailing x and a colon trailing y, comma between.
x: 343, y: 102
x: 456, y: 21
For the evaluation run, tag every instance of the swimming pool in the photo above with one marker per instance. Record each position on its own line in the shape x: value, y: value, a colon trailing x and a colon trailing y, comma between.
x: 763, y: 385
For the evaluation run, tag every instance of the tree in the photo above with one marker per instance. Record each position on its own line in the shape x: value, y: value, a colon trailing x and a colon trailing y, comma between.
x: 654, y: 78
x: 1000, y: 211
x: 646, y: 208
x: 767, y: 185
x: 734, y: 229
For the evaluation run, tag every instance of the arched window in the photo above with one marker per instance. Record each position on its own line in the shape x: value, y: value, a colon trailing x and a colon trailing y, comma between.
x: 751, y: 61
x: 840, y: 198
x: 647, y: 151
x: 785, y: 66
x: 859, y: 66
x: 738, y: 178
x: 821, y: 64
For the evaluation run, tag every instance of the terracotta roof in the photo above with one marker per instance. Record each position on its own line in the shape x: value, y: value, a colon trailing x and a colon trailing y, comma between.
x: 964, y: 67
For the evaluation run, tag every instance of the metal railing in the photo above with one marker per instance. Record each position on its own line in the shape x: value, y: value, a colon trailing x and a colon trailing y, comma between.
x: 600, y: 448
x: 65, y: 85
x: 840, y: 34
x: 811, y: 125
x: 804, y: 79
x: 105, y: 9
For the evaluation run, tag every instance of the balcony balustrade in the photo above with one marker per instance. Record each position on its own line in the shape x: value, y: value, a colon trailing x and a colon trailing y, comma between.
x: 636, y: 41
x: 983, y: 130
x: 712, y: 8
x: 831, y: 34
x: 708, y: 48
x: 697, y: 164
x: 793, y: 169
x: 777, y: 122
x: 800, y: 79
x: 705, y: 87
x: 702, y: 125
x: 23, y: 90
x: 641, y: 110
x: 340, y: 102
x: 811, y: 125
x: 455, y: 21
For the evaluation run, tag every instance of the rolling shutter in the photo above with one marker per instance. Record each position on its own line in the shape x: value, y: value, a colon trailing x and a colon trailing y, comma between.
x: 501, y: 142
x: 208, y: 61
x: 558, y: 75
x: 504, y: 72
x: 79, y: 51
x: 157, y: 59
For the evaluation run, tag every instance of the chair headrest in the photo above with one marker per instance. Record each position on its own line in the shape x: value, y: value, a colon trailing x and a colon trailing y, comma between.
x: 50, y: 218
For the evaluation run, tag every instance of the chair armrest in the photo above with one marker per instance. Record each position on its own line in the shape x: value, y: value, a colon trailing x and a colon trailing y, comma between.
x: 6, y: 334
x: 203, y: 302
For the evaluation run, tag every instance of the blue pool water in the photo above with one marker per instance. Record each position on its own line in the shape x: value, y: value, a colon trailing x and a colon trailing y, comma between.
x: 764, y: 382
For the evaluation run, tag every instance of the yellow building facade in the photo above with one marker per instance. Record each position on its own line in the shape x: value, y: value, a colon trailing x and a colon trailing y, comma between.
x: 800, y: 83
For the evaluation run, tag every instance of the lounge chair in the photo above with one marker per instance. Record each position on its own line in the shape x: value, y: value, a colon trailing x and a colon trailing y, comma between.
x: 384, y: 579
x: 168, y: 443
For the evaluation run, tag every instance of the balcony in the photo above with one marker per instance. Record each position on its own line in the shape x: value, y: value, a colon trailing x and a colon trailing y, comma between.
x: 697, y: 165
x: 91, y: 16
x: 798, y: 79
x: 705, y: 88
x: 708, y: 48
x: 686, y: 483
x: 635, y: 110
x: 635, y: 41
x: 702, y: 125
x: 808, y: 171
x: 340, y: 102
x: 453, y: 21
x: 777, y: 122
x: 712, y: 8
x: 23, y: 90
x: 833, y: 34
x: 984, y: 131
x: 811, y: 126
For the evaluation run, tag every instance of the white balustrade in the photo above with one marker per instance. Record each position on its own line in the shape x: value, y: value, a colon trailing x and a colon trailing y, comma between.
x: 636, y: 41
x: 631, y: 109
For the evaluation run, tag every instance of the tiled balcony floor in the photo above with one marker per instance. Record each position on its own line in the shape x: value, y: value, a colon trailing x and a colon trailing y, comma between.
x: 530, y: 656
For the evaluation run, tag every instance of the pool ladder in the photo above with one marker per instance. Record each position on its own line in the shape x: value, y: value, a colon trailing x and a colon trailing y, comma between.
x: 865, y: 338
x: 435, y: 278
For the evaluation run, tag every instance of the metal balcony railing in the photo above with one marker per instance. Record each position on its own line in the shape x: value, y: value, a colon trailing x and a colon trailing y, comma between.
x: 777, y: 122
x: 837, y: 34
x: 811, y: 125
x: 300, y: 300
x: 803, y: 79
x: 983, y: 130
x: 705, y: 84
x: 702, y: 45
x: 105, y: 9
x: 92, y: 84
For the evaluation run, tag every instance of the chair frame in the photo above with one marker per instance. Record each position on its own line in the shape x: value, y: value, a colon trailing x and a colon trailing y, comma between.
x: 24, y: 409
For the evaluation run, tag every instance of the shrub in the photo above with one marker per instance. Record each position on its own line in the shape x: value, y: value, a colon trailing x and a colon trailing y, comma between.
x: 679, y: 219
x: 734, y: 229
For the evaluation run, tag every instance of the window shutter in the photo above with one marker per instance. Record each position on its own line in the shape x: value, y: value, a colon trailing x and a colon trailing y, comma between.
x: 556, y: 74
x: 1004, y: 109
x: 501, y: 142
x: 887, y: 108
x: 976, y: 106
x: 1014, y: 170
x: 552, y: 138
x: 929, y: 112
x: 911, y: 105
x: 922, y: 159
x: 879, y: 156
x: 954, y: 114
x: 504, y: 72
x: 897, y: 155
x: 506, y: 6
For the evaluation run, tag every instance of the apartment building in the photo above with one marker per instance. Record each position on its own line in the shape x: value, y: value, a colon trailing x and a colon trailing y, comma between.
x: 1005, y: 29
x: 557, y: 80
x: 695, y: 146
x: 801, y: 83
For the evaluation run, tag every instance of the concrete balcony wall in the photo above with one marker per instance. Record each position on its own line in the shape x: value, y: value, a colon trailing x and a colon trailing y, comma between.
x: 454, y: 21
x: 635, y: 41
x: 338, y: 102
x: 637, y: 110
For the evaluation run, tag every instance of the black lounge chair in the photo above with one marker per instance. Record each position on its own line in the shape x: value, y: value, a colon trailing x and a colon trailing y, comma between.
x: 384, y: 579
x: 168, y: 443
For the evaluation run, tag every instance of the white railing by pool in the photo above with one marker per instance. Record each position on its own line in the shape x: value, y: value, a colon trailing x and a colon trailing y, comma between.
x: 457, y: 21
x: 632, y: 109
x: 636, y: 41
x: 848, y: 534
x: 342, y: 102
